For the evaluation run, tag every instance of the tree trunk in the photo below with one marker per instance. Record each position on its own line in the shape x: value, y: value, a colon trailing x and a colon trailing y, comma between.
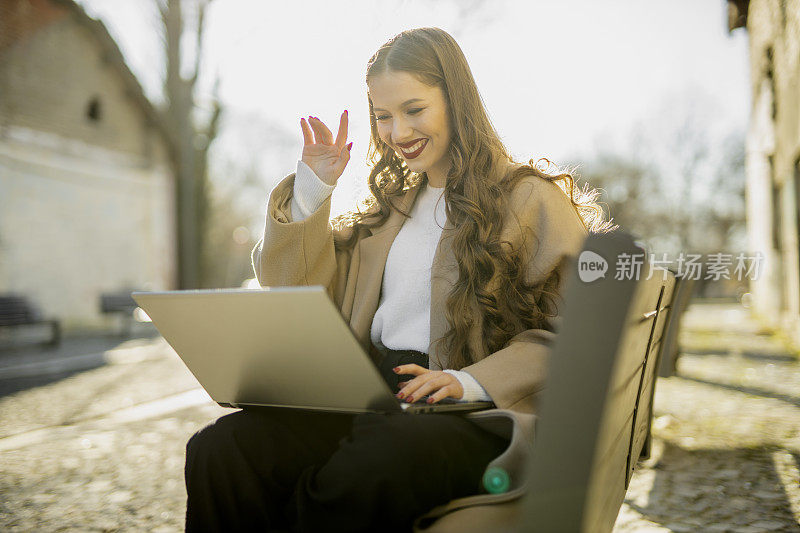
x: 189, y: 160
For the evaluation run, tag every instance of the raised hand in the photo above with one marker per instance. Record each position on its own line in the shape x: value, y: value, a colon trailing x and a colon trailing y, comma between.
x: 326, y: 157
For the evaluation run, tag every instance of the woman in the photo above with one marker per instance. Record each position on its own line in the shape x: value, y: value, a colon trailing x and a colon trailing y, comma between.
x: 450, y: 276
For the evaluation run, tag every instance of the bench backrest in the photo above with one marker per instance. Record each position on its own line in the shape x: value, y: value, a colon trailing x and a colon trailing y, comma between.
x: 684, y: 289
x: 15, y: 310
x: 596, y: 411
x: 113, y: 302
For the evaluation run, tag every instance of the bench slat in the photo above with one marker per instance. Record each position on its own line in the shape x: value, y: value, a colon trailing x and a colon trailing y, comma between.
x: 644, y: 407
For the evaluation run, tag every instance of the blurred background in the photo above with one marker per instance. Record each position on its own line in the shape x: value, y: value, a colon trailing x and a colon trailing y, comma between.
x: 139, y: 141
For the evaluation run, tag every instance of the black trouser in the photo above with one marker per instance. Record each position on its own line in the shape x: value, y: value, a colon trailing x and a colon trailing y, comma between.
x: 272, y: 469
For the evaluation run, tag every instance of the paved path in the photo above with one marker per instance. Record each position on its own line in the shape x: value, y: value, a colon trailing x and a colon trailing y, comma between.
x: 727, y: 433
x: 103, y: 449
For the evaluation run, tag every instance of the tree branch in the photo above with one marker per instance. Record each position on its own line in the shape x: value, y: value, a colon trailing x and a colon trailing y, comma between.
x: 163, y: 12
x: 201, y: 16
x: 213, y: 123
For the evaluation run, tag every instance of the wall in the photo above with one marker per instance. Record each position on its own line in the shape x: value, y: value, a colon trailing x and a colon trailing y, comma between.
x: 773, y: 154
x: 86, y: 204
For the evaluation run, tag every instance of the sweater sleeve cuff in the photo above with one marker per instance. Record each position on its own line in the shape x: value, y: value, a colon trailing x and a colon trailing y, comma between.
x: 309, y: 192
x: 473, y: 391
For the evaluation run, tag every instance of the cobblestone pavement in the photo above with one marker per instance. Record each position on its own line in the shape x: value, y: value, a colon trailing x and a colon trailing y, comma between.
x: 727, y: 433
x: 103, y: 450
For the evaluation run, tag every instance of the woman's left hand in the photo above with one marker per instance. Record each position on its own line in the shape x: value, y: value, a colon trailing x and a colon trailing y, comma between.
x: 435, y: 383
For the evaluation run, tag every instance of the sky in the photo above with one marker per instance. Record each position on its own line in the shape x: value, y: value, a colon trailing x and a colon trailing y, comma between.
x: 558, y: 77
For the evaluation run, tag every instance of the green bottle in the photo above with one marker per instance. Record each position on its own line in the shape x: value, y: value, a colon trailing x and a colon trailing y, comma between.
x: 496, y: 480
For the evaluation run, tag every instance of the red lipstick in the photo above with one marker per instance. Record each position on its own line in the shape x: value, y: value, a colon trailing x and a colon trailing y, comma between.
x: 420, y: 143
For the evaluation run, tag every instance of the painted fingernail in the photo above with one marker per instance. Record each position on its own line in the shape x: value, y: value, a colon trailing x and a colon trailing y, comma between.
x: 345, y: 111
x: 349, y: 146
x: 429, y: 400
x: 397, y: 368
x: 400, y: 395
x: 410, y: 399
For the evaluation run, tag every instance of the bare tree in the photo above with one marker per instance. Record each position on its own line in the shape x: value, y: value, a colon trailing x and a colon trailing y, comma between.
x: 672, y: 185
x: 240, y: 172
x: 723, y: 217
x: 190, y: 137
x: 689, y: 143
x: 627, y: 186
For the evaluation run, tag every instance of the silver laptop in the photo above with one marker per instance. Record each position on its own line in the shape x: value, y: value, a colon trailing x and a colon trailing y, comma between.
x: 278, y: 346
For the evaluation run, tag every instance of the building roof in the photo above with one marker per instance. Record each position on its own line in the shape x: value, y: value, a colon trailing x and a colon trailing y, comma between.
x: 108, y: 47
x: 737, y: 14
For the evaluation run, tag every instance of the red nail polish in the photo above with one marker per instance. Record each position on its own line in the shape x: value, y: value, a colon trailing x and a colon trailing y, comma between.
x: 397, y: 368
x: 410, y: 399
x: 429, y: 400
x: 349, y: 146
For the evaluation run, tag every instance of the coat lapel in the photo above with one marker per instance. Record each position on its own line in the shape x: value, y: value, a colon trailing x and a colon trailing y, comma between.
x: 373, y: 251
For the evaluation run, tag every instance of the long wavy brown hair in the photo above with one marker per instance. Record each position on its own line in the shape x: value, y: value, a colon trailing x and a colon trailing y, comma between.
x: 476, y: 191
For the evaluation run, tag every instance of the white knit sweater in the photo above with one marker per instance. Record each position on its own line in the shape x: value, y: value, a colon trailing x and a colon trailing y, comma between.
x: 402, y: 321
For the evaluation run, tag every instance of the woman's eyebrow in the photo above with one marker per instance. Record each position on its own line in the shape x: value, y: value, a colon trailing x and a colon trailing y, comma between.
x: 411, y: 101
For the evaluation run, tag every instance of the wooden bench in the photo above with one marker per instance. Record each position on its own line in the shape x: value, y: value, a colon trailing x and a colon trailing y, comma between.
x: 16, y: 311
x: 122, y: 304
x: 589, y: 442
x: 595, y: 414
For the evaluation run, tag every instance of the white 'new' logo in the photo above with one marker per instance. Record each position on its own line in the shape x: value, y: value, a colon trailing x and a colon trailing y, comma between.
x: 591, y: 266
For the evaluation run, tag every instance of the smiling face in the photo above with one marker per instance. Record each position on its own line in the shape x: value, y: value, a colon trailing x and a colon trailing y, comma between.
x: 412, y: 119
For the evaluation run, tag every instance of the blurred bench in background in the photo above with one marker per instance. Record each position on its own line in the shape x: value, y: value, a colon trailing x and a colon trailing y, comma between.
x: 121, y: 304
x: 17, y: 311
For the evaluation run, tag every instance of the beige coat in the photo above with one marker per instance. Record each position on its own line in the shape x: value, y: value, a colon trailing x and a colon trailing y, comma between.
x: 302, y: 253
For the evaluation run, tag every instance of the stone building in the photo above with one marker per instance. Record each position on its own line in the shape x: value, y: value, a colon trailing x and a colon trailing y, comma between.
x: 87, y: 197
x: 773, y: 153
